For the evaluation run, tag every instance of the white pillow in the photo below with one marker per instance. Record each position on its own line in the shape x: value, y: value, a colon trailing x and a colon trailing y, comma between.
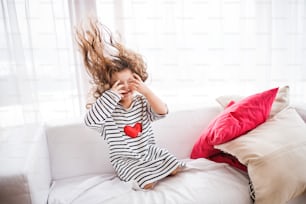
x: 281, y: 100
x: 275, y: 155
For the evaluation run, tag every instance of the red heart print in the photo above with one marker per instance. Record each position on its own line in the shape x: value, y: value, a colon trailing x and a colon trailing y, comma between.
x: 133, y: 131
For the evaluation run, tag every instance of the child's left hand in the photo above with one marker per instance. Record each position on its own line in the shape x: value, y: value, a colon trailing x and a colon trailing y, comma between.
x: 158, y: 106
x: 138, y: 85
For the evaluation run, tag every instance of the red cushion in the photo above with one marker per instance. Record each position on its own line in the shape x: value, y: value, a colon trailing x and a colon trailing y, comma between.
x: 235, y: 120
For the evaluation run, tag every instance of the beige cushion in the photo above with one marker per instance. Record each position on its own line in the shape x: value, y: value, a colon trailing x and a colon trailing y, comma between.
x: 275, y: 154
x: 281, y: 100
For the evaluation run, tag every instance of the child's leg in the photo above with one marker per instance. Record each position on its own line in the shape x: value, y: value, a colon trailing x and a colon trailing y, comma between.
x: 175, y: 171
x: 149, y: 186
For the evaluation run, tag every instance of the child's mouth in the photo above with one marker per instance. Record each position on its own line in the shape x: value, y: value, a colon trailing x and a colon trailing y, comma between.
x: 126, y: 92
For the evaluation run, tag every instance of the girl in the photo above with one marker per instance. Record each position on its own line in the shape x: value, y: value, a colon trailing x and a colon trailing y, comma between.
x: 122, y: 117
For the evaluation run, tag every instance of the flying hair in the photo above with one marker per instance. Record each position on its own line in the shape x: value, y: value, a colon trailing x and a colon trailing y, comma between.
x: 102, y: 56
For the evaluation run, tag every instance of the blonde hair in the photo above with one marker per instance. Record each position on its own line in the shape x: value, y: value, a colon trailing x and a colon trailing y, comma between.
x: 103, y: 56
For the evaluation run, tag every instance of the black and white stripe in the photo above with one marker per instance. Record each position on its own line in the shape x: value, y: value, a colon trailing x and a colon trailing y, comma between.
x: 134, y: 159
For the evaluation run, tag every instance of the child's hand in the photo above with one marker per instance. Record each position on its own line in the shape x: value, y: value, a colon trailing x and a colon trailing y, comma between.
x: 156, y: 103
x: 118, y: 88
x: 138, y: 85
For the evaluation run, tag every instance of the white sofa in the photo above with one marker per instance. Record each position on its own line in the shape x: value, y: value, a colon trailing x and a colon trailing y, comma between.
x: 68, y: 163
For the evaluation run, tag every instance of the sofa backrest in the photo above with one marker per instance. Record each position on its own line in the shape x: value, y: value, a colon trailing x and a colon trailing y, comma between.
x: 180, y: 130
x: 77, y: 150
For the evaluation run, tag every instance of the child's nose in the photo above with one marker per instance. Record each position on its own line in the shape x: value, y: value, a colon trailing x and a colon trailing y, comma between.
x: 125, y: 85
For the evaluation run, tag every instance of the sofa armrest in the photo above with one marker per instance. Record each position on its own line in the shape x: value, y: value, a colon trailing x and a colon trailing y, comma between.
x: 24, y: 171
x: 76, y: 150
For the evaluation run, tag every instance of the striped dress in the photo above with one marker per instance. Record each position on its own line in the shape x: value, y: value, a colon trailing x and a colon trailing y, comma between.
x: 134, y: 159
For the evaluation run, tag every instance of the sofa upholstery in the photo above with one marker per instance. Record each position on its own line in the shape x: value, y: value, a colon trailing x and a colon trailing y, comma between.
x: 33, y: 157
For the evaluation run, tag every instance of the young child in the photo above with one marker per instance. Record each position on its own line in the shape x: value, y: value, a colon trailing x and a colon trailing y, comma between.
x: 123, y: 117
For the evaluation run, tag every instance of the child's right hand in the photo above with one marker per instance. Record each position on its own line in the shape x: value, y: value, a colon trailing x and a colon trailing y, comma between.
x: 118, y: 88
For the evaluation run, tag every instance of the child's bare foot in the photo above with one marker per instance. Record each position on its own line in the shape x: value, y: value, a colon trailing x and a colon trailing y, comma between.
x: 149, y: 186
x: 173, y: 173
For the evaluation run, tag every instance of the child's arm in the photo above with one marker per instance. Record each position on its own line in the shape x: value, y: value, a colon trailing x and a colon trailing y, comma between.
x: 155, y: 102
x: 103, y: 107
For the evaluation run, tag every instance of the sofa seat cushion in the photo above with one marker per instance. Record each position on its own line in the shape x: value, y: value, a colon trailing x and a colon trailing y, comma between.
x: 202, y: 181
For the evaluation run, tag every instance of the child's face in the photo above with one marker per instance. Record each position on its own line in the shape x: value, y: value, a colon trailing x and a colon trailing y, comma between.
x: 125, y: 77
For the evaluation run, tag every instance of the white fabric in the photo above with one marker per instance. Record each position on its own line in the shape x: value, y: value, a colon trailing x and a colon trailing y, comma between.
x: 198, y: 50
x: 39, y: 78
x: 202, y: 181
